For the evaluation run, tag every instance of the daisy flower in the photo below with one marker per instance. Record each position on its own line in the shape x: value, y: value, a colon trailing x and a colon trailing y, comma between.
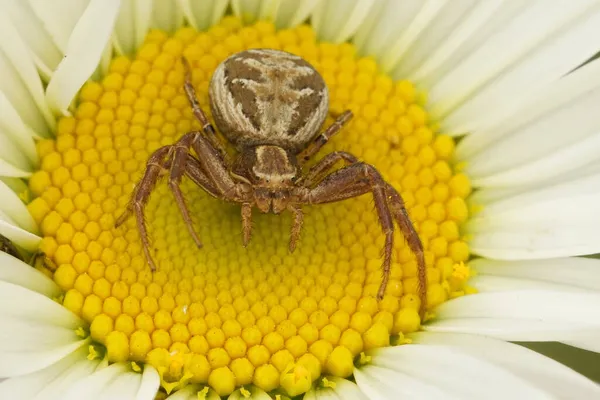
x: 483, y: 115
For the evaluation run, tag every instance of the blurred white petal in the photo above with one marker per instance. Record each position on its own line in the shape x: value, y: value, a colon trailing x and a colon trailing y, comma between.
x: 87, y: 43
x: 19, y: 236
x: 337, y: 20
x: 20, y: 83
x: 190, y: 392
x: 59, y: 18
x: 12, y: 205
x: 50, y: 382
x: 167, y: 15
x: 253, y: 10
x: 528, y: 107
x: 149, y: 384
x: 31, y: 29
x: 14, y: 129
x: 293, y: 12
x: 573, y: 272
x: 522, y: 44
x: 133, y: 23
x: 442, y: 371
x: 343, y: 390
x: 19, y: 273
x: 550, y: 376
x: 576, y: 117
x: 521, y: 315
x: 203, y: 14
x: 459, y: 24
x: 95, y: 385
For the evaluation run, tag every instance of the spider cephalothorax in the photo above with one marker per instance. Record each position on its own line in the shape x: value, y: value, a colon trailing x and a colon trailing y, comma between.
x: 270, y: 105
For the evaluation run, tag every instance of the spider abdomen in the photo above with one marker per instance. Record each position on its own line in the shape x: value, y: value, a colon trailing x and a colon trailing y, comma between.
x: 271, y: 97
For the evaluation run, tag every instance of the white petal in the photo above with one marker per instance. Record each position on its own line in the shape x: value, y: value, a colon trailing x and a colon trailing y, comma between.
x: 80, y: 370
x: 343, y: 390
x: 190, y: 392
x: 587, y: 341
x: 19, y: 236
x: 41, y: 384
x: 203, y: 14
x: 20, y: 65
x: 542, y: 67
x: 517, y: 245
x: 522, y: 42
x: 533, y: 145
x: 124, y: 387
x: 13, y: 206
x: 21, y: 335
x: 9, y: 170
x: 404, y: 42
x: 573, y: 272
x: 338, y: 20
x: 529, y: 107
x: 35, y: 307
x: 86, y: 46
x: 11, y: 154
x: 14, y: 128
x: 545, y: 373
x: 59, y: 18
x: 167, y: 15
x: 16, y: 363
x: 385, y: 21
x: 45, y: 53
x: 525, y: 315
x: 547, y: 215
x: 448, y: 369
x: 19, y: 273
x: 149, y: 384
x: 19, y: 96
x: 571, y: 157
x: 93, y: 385
x: 293, y: 12
x: 16, y: 185
x: 383, y: 383
x: 252, y: 10
x: 132, y: 25
x: 459, y: 23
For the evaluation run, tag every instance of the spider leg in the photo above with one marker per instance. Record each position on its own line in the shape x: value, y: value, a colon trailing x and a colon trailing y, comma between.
x: 325, y: 164
x: 157, y: 164
x: 324, y: 137
x: 400, y: 214
x: 207, y: 127
x: 297, y: 225
x: 246, y: 222
x: 180, y: 152
x: 355, y: 180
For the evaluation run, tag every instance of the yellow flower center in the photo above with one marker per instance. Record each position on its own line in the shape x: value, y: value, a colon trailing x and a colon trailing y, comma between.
x: 225, y: 315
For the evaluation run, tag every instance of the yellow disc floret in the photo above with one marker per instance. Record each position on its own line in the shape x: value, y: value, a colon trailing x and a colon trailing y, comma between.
x: 225, y: 315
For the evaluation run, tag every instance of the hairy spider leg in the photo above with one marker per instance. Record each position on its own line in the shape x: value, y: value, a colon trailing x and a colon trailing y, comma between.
x: 157, y: 164
x: 324, y: 137
x: 412, y: 238
x: 357, y: 179
x: 207, y: 127
x: 246, y: 223
x: 298, y: 216
x: 180, y: 152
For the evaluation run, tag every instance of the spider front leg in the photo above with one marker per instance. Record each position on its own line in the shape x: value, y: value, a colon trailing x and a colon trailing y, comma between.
x: 157, y: 165
x: 355, y: 180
